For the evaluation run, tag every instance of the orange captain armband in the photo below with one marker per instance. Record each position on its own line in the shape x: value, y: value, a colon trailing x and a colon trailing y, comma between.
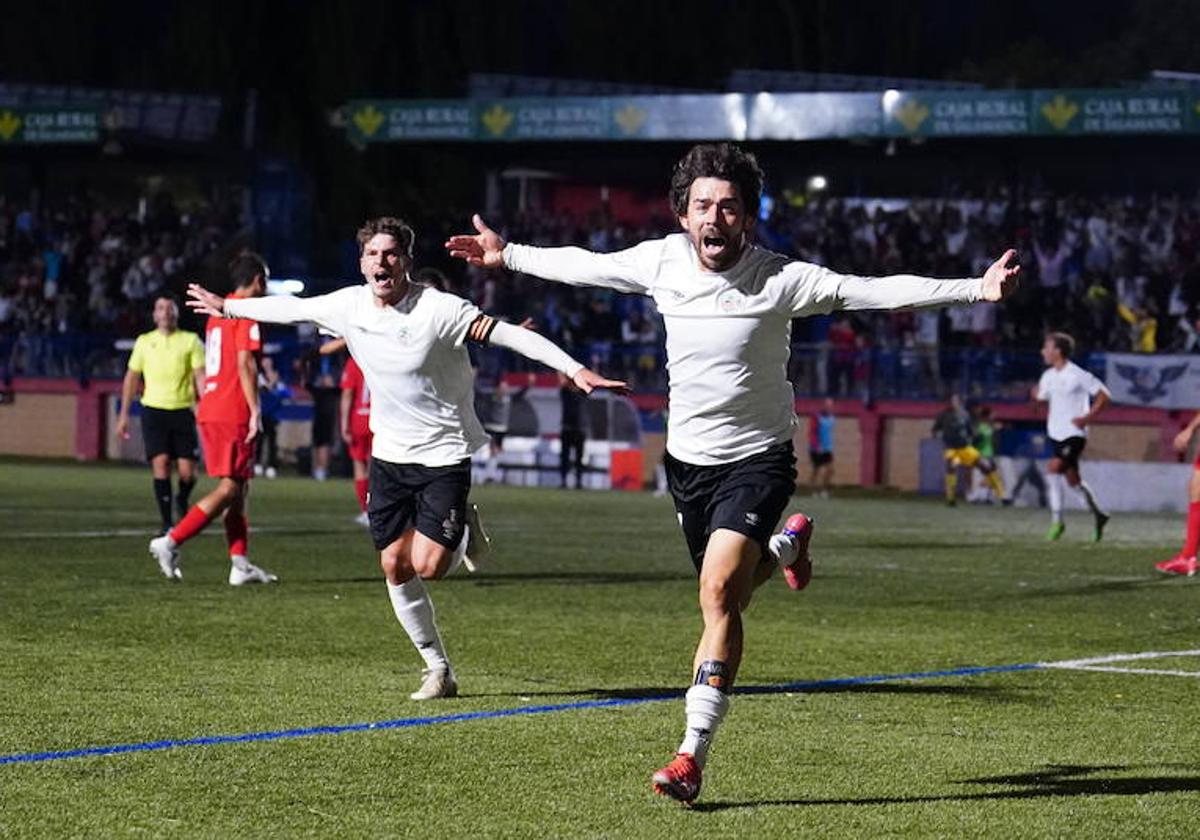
x: 481, y: 329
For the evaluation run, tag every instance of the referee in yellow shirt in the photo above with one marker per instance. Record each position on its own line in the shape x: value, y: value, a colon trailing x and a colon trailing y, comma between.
x: 171, y: 363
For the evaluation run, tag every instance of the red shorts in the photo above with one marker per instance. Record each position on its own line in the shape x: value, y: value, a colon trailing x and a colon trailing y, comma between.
x: 226, y: 453
x: 360, y: 446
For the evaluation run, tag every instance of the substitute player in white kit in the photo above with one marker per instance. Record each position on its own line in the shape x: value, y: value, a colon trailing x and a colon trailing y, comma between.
x: 410, y: 341
x: 727, y: 306
x: 1075, y: 397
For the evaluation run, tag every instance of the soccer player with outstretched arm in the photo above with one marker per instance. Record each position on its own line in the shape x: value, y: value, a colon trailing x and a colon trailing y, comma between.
x: 727, y: 305
x: 228, y: 418
x: 1075, y: 396
x: 410, y: 342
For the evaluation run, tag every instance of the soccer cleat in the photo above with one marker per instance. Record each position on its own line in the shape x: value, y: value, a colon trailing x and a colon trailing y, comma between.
x: 799, y: 572
x: 1056, y: 531
x: 679, y: 780
x: 167, y: 557
x: 479, y: 544
x: 436, y: 683
x: 1179, y: 565
x: 249, y: 573
x: 1098, y: 531
x: 363, y: 520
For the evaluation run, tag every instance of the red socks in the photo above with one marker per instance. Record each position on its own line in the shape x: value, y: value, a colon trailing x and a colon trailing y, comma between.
x: 236, y: 534
x: 1192, y: 543
x: 190, y: 525
x: 360, y: 490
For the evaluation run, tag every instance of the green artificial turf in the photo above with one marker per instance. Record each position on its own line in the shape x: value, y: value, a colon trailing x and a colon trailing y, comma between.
x: 590, y: 597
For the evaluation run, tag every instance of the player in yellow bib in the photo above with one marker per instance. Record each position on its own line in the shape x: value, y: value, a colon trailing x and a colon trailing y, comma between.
x: 953, y: 425
x: 170, y: 363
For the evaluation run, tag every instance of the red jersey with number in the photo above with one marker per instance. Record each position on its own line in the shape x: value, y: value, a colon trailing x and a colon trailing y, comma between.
x: 360, y: 406
x: 223, y: 400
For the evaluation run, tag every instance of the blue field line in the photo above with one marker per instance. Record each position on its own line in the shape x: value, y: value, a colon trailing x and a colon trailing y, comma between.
x: 404, y: 723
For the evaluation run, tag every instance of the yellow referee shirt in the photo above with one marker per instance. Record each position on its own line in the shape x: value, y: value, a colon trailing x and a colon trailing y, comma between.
x: 166, y: 363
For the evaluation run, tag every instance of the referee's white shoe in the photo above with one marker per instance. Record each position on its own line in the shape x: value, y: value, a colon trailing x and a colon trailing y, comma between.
x: 479, y: 544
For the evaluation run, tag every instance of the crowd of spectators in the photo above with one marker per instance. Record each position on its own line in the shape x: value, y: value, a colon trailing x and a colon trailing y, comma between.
x: 1121, y: 273
x: 78, y: 270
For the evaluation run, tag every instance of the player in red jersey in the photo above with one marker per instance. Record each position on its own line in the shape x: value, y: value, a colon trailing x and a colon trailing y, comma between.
x: 228, y: 420
x: 356, y: 430
x: 1184, y: 563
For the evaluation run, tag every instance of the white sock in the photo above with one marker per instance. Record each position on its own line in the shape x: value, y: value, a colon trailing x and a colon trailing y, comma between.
x: 171, y: 544
x: 705, y: 707
x: 239, y: 561
x: 1054, y: 490
x: 660, y: 478
x: 783, y: 548
x: 460, y: 551
x: 1089, y: 497
x: 414, y: 611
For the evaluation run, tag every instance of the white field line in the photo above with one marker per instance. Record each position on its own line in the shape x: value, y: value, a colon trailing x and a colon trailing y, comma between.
x: 150, y: 533
x: 1098, y: 663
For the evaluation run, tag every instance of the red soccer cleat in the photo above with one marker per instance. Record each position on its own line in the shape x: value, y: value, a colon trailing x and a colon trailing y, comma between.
x: 1179, y: 565
x: 680, y: 779
x: 799, y: 527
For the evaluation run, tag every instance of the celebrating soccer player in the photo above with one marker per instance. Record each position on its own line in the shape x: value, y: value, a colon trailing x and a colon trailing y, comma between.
x: 170, y: 362
x: 410, y: 341
x: 228, y: 417
x: 1075, y: 397
x: 728, y: 306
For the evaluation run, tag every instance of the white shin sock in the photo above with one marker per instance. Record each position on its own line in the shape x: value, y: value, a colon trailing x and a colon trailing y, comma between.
x: 1054, y: 489
x: 414, y: 611
x: 706, y: 707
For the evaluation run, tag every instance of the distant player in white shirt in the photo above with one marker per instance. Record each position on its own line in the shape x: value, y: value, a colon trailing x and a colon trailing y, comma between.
x: 727, y: 306
x: 1075, y: 397
x: 410, y: 341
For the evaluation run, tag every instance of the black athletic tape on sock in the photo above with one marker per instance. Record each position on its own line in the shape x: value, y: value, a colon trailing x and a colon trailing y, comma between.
x: 715, y: 673
x: 162, y: 495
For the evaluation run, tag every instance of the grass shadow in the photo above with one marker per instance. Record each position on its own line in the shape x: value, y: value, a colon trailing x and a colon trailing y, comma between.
x: 1054, y: 781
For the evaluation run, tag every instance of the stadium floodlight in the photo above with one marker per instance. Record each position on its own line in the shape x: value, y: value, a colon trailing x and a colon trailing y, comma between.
x: 890, y: 97
x: 289, y: 286
x: 817, y: 183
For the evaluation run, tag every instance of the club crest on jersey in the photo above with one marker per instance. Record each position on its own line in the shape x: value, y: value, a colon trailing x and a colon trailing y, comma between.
x: 730, y: 301
x: 751, y: 518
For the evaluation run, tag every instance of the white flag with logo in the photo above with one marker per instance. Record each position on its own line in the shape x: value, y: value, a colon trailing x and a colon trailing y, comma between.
x: 1158, y: 381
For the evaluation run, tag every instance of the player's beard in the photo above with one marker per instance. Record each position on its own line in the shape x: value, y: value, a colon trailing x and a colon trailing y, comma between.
x: 718, y: 250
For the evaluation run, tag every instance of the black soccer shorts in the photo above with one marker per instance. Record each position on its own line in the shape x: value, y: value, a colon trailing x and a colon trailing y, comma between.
x: 171, y: 432
x: 431, y: 499
x: 747, y: 496
x: 1069, y: 451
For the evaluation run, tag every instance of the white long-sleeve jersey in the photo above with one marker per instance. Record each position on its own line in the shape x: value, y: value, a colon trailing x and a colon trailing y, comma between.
x: 414, y: 359
x: 728, y: 333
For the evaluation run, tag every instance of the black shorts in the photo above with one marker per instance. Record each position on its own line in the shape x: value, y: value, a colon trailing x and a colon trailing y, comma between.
x: 326, y: 402
x: 820, y: 459
x: 170, y: 431
x: 1069, y: 450
x: 746, y: 496
x: 431, y: 499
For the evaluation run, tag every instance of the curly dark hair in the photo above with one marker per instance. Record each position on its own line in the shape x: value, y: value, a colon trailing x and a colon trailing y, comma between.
x: 392, y: 226
x: 720, y: 160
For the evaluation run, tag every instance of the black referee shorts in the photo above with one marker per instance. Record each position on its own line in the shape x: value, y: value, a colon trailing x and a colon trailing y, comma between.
x: 747, y: 496
x: 170, y: 431
x: 431, y: 499
x: 1069, y: 450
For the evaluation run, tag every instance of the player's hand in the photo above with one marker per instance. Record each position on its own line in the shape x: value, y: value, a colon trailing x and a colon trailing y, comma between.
x: 1183, y: 440
x: 485, y: 249
x: 205, y: 302
x: 1000, y: 280
x: 1079, y: 422
x: 588, y: 381
x: 527, y: 324
x: 346, y: 438
x: 123, y: 427
x: 254, y: 424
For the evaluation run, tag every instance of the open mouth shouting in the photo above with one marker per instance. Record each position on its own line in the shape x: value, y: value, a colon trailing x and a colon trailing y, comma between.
x: 714, y: 246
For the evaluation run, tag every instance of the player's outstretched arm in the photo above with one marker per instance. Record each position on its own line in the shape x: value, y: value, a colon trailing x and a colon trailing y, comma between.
x: 621, y: 271
x: 541, y: 349
x: 274, y: 309
x: 1000, y: 280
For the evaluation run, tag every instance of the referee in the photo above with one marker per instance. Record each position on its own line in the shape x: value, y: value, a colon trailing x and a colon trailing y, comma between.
x: 171, y: 361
